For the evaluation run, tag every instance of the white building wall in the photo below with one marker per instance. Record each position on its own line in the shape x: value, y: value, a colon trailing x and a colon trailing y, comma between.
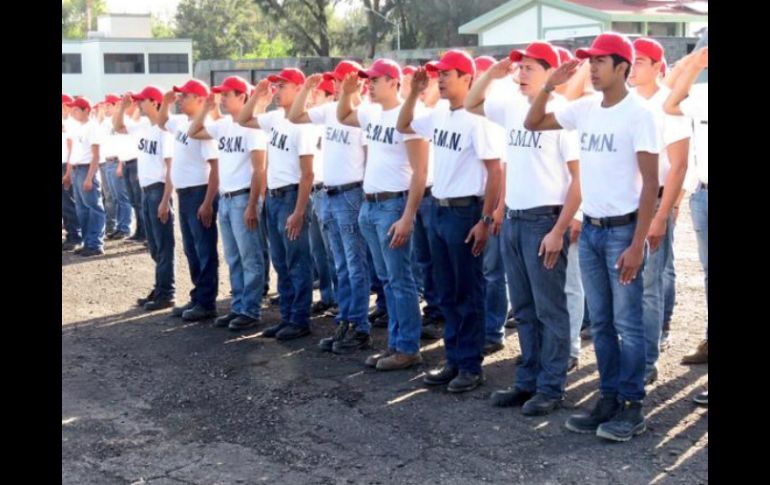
x: 515, y: 30
x: 125, y: 26
x: 559, y: 24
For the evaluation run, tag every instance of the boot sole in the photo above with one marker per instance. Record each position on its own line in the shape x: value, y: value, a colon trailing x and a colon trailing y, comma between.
x: 456, y: 390
x: 401, y: 367
x: 580, y: 430
x: 622, y: 439
x: 351, y: 350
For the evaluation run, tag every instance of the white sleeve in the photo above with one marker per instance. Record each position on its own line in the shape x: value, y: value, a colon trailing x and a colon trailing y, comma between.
x: 255, y: 139
x: 694, y: 105
x: 95, y: 135
x: 645, y: 134
x: 423, y: 124
x: 569, y: 146
x: 494, y: 110
x: 567, y: 116
x: 363, y: 112
x: 317, y: 115
x: 167, y: 144
x: 171, y: 124
x: 486, y: 140
x: 214, y: 128
x: 134, y: 127
x: 307, y: 138
x: 209, y: 149
x: 266, y: 120
x: 676, y: 128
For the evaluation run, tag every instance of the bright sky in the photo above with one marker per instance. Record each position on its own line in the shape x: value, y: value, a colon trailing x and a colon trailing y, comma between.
x: 163, y: 9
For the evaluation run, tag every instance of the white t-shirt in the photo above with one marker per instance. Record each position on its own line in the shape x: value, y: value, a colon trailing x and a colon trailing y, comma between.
x: 68, y: 124
x: 387, y: 164
x: 672, y: 129
x: 343, y: 147
x: 191, y: 167
x: 110, y: 146
x: 536, y: 173
x: 286, y: 142
x: 83, y: 136
x: 421, y: 108
x: 696, y: 107
x: 461, y: 141
x: 154, y: 147
x: 610, y: 180
x: 130, y: 144
x: 235, y: 144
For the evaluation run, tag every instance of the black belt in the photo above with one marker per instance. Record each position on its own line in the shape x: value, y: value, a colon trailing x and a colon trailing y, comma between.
x: 703, y: 186
x: 383, y: 196
x: 280, y: 191
x: 186, y: 190
x: 155, y: 186
x: 428, y: 192
x: 317, y: 187
x: 660, y: 192
x: 230, y: 195
x: 459, y: 201
x: 545, y: 210
x: 610, y: 221
x: 338, y: 189
x: 81, y: 165
x: 133, y: 160
x: 112, y: 159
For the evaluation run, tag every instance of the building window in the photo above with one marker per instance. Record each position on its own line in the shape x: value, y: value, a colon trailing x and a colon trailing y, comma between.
x: 661, y: 29
x: 70, y: 64
x: 627, y: 27
x: 169, y: 64
x: 124, y: 63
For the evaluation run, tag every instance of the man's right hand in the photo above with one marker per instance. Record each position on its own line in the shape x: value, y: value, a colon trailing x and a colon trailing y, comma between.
x: 500, y: 69
x: 563, y: 73
x: 170, y: 97
x: 351, y: 83
x: 575, y: 226
x: 420, y: 80
x: 314, y: 80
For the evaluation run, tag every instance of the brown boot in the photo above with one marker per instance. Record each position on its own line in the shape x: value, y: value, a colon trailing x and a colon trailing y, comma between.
x: 700, y: 356
x: 371, y: 361
x: 398, y: 361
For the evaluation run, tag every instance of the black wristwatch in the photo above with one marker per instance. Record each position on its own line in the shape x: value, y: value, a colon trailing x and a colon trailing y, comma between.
x: 487, y: 220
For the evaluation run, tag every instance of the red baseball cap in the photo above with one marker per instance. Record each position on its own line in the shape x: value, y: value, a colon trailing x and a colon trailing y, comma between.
x: 150, y: 92
x: 644, y: 46
x: 343, y: 69
x: 289, y: 75
x: 607, y: 44
x: 454, y: 59
x: 564, y: 55
x: 382, y: 67
x: 80, y: 102
x: 233, y: 83
x: 407, y: 70
x: 66, y: 98
x: 432, y: 73
x: 327, y: 85
x: 193, y: 86
x: 111, y: 99
x: 483, y: 63
x: 537, y: 50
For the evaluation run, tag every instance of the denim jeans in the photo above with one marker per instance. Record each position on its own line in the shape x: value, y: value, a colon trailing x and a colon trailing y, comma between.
x: 131, y: 180
x: 669, y: 284
x: 121, y: 199
x: 89, y: 207
x: 699, y: 209
x: 263, y: 241
x: 376, y: 285
x: 460, y: 284
x: 243, y: 254
x: 350, y: 257
x: 160, y: 239
x: 540, y: 304
x: 69, y: 213
x: 653, y: 296
x: 291, y: 259
x: 422, y: 260
x: 323, y: 261
x: 200, y: 246
x: 108, y: 198
x: 496, y: 296
x: 616, y: 311
x: 394, y: 269
x: 575, y: 299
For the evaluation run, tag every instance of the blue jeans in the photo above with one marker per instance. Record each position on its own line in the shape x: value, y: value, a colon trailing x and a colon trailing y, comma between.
x: 540, y: 304
x: 699, y: 209
x: 160, y: 239
x: 69, y: 213
x: 108, y: 198
x: 200, y: 246
x: 243, y: 254
x: 121, y: 198
x: 394, y: 269
x: 377, y: 287
x: 265, y: 246
x: 496, y: 298
x: 291, y: 260
x: 89, y: 207
x: 653, y: 296
x: 616, y: 311
x: 460, y: 285
x: 576, y: 299
x: 669, y: 283
x: 350, y: 257
x: 422, y: 260
x: 131, y: 181
x: 323, y: 261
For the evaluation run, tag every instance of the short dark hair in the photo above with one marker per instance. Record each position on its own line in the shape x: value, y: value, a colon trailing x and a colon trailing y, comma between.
x: 616, y: 59
x: 544, y: 64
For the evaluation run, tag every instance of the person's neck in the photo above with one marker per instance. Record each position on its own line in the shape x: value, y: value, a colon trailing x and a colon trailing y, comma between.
x: 647, y: 90
x: 390, y: 103
x: 614, y: 95
x: 456, y: 102
x: 285, y: 110
x: 237, y: 112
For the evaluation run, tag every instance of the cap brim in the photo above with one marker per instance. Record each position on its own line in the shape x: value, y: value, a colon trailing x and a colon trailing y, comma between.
x: 433, y: 66
x: 277, y: 79
x: 218, y: 89
x: 516, y: 56
x: 590, y: 52
x: 177, y: 89
x: 330, y: 77
x: 368, y: 74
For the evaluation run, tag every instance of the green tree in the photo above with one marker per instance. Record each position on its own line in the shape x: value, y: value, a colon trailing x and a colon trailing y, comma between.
x: 304, y: 22
x: 74, y: 18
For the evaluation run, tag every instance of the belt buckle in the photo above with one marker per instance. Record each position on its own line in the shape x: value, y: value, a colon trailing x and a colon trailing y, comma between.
x: 443, y: 203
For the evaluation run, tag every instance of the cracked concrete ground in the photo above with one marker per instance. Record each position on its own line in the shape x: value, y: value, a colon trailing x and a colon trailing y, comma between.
x: 149, y: 399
